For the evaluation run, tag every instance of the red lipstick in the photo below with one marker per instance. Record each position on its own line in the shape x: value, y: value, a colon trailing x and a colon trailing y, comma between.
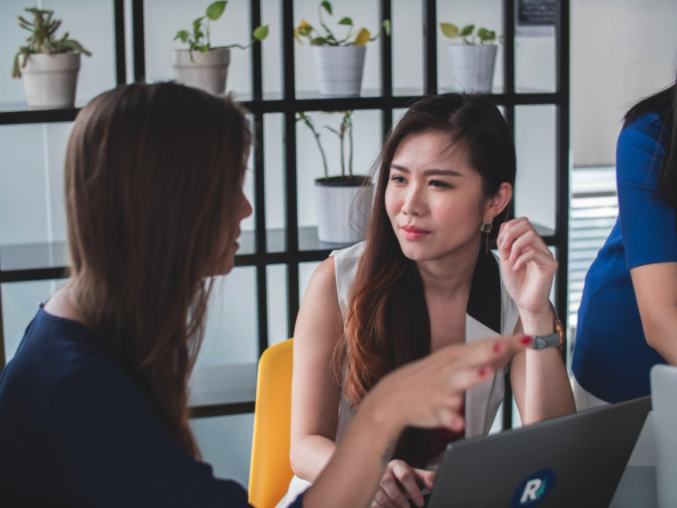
x: 414, y: 233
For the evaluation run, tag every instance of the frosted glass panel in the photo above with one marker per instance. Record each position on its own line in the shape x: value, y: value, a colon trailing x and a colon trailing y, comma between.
x: 32, y: 208
x: 535, y: 64
x: 277, y: 303
x: 163, y: 18
x: 232, y: 324
x: 272, y: 47
x: 226, y: 444
x: 19, y: 306
x: 407, y: 44
x: 274, y: 168
x: 535, y: 142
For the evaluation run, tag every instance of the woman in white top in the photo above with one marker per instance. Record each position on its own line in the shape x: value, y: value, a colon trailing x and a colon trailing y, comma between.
x: 424, y: 279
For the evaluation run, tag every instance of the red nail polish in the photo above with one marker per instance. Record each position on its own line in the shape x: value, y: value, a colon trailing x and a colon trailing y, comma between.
x: 526, y: 339
x: 498, y: 347
x: 483, y: 372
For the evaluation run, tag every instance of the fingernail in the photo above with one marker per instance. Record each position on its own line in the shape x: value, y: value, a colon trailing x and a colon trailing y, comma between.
x: 498, y: 347
x: 526, y: 339
x: 419, y: 501
x: 483, y: 372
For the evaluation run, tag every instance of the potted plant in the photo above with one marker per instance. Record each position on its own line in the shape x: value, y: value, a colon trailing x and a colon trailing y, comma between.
x: 339, y: 62
x: 335, y: 197
x: 49, y: 66
x: 473, y: 60
x: 202, y: 65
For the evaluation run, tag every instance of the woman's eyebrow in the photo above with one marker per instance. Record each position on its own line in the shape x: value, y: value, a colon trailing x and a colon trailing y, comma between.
x: 429, y: 172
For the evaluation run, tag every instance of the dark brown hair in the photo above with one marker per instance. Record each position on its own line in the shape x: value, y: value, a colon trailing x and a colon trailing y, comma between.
x: 387, y: 321
x: 153, y: 180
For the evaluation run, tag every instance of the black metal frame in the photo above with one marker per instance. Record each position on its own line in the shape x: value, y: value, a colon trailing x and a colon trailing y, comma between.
x: 289, y: 105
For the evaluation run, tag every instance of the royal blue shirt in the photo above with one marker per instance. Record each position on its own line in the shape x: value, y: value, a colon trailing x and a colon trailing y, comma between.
x: 612, y: 359
x: 76, y: 431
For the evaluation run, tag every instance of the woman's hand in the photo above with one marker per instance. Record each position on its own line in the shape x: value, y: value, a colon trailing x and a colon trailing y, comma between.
x: 428, y: 393
x: 390, y: 495
x: 527, y: 266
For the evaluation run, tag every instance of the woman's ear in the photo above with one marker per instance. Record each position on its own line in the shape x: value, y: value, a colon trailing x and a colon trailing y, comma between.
x: 500, y: 200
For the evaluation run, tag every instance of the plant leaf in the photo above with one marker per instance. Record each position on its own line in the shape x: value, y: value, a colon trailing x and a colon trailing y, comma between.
x: 261, y: 33
x: 318, y: 41
x: 346, y: 21
x: 183, y: 35
x: 386, y: 27
x: 197, y: 22
x: 327, y: 7
x: 296, y: 36
x: 362, y: 37
x: 204, y: 48
x: 449, y: 30
x: 467, y: 30
x: 215, y: 10
x: 483, y: 33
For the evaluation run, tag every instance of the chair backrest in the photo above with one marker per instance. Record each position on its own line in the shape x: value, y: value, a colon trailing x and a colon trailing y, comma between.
x: 270, y: 471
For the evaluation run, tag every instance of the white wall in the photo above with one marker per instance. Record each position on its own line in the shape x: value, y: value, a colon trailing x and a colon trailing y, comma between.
x: 621, y: 51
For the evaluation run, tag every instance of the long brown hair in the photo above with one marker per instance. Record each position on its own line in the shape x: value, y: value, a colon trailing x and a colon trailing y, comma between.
x: 387, y: 321
x: 153, y: 176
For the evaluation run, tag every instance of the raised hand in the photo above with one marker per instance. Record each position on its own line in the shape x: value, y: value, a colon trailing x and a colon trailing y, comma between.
x: 527, y: 266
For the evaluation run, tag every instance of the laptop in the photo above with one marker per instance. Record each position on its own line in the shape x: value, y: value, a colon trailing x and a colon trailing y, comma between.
x: 573, y: 461
x: 663, y: 390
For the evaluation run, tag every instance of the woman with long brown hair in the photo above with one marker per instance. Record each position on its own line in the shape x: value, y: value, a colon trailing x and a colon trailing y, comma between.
x: 425, y: 279
x: 93, y: 407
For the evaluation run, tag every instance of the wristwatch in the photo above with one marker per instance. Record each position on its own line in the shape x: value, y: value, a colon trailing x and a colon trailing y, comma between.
x: 553, y: 340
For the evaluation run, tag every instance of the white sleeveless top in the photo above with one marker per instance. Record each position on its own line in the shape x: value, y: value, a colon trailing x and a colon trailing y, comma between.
x: 489, y: 313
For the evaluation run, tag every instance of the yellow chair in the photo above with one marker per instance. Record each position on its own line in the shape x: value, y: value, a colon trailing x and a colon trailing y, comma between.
x: 270, y: 471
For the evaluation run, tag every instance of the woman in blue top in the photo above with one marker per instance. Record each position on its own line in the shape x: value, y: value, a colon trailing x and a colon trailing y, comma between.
x: 93, y: 407
x: 627, y: 321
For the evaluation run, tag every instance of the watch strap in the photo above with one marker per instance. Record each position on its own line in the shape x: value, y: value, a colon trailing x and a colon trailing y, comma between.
x: 551, y: 340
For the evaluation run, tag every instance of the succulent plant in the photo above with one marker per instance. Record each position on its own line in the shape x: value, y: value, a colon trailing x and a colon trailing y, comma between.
x: 43, y: 39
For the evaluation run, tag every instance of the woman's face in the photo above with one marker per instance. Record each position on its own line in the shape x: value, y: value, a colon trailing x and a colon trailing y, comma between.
x: 434, y: 198
x: 231, y: 248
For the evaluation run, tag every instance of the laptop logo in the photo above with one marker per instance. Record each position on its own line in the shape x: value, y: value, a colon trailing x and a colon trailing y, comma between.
x: 534, y: 489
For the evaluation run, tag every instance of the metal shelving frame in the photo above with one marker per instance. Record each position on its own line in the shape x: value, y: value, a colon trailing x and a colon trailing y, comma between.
x: 289, y: 104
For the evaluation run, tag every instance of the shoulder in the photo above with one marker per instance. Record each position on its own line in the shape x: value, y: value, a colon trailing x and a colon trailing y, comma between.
x: 353, y: 252
x: 645, y: 130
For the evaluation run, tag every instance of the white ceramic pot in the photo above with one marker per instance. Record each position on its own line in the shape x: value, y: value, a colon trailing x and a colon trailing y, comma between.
x: 472, y: 67
x: 209, y: 73
x: 51, y: 80
x: 342, y: 212
x: 339, y: 69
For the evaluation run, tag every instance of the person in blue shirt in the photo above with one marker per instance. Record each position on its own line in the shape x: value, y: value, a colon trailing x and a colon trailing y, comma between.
x: 627, y: 321
x: 93, y: 407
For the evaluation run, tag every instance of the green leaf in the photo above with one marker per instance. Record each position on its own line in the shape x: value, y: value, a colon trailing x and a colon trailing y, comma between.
x: 483, y: 33
x: 197, y: 22
x: 386, y: 27
x: 327, y: 7
x: 261, y: 33
x: 467, y: 30
x: 183, y: 35
x: 346, y: 21
x: 204, y: 48
x: 215, y: 10
x: 449, y: 30
x: 318, y: 41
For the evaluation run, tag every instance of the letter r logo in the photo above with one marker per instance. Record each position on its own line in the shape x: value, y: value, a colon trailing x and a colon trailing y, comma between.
x: 531, y: 490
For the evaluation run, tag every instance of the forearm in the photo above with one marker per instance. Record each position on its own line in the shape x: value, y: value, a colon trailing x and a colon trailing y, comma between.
x: 660, y: 334
x: 311, y: 455
x: 355, y: 470
x: 547, y: 390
